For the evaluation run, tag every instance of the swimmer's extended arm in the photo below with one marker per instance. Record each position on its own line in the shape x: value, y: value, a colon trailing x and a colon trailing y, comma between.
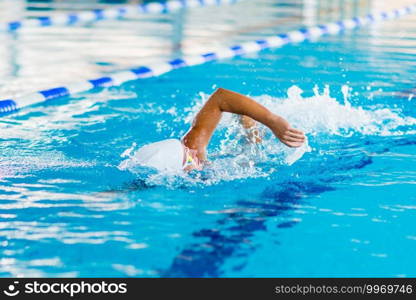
x: 224, y: 100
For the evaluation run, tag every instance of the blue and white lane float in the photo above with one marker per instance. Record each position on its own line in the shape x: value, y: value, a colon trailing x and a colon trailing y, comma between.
x: 296, y: 36
x: 110, y: 13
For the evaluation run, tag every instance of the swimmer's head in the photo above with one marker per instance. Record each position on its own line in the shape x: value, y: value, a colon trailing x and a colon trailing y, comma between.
x: 166, y: 155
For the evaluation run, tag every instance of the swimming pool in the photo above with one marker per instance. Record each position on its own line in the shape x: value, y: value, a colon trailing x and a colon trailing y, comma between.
x: 71, y: 207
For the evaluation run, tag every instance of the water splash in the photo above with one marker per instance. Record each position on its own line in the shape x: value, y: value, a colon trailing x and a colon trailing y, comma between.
x: 236, y: 158
x: 322, y: 114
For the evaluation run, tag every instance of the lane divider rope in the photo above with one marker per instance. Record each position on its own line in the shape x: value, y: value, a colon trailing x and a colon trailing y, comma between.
x: 276, y: 41
x: 110, y: 13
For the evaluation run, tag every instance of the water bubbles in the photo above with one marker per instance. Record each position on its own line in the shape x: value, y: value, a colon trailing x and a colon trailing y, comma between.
x: 345, y: 90
x: 294, y: 92
x: 297, y: 153
x: 127, y: 152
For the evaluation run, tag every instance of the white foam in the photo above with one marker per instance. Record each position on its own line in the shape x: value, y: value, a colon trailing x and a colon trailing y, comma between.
x: 323, y: 114
x: 297, y: 153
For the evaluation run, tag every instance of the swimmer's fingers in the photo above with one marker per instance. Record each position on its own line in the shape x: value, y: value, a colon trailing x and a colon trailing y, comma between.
x: 294, y: 137
x: 293, y: 144
x: 297, y: 131
x: 291, y: 137
x: 286, y: 138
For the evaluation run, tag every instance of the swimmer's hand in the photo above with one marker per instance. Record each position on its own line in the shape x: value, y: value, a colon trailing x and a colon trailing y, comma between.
x: 289, y: 136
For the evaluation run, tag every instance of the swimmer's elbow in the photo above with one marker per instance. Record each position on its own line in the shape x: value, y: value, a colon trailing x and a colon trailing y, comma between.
x: 219, y: 97
x: 220, y: 91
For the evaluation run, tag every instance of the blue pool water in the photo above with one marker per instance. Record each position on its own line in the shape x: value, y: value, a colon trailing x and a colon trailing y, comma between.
x: 73, y: 204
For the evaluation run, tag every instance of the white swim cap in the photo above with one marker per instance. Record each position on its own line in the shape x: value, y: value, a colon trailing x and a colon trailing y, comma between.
x: 166, y: 155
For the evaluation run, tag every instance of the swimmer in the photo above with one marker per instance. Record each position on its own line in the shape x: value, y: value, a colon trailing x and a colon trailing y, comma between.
x: 190, y: 153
